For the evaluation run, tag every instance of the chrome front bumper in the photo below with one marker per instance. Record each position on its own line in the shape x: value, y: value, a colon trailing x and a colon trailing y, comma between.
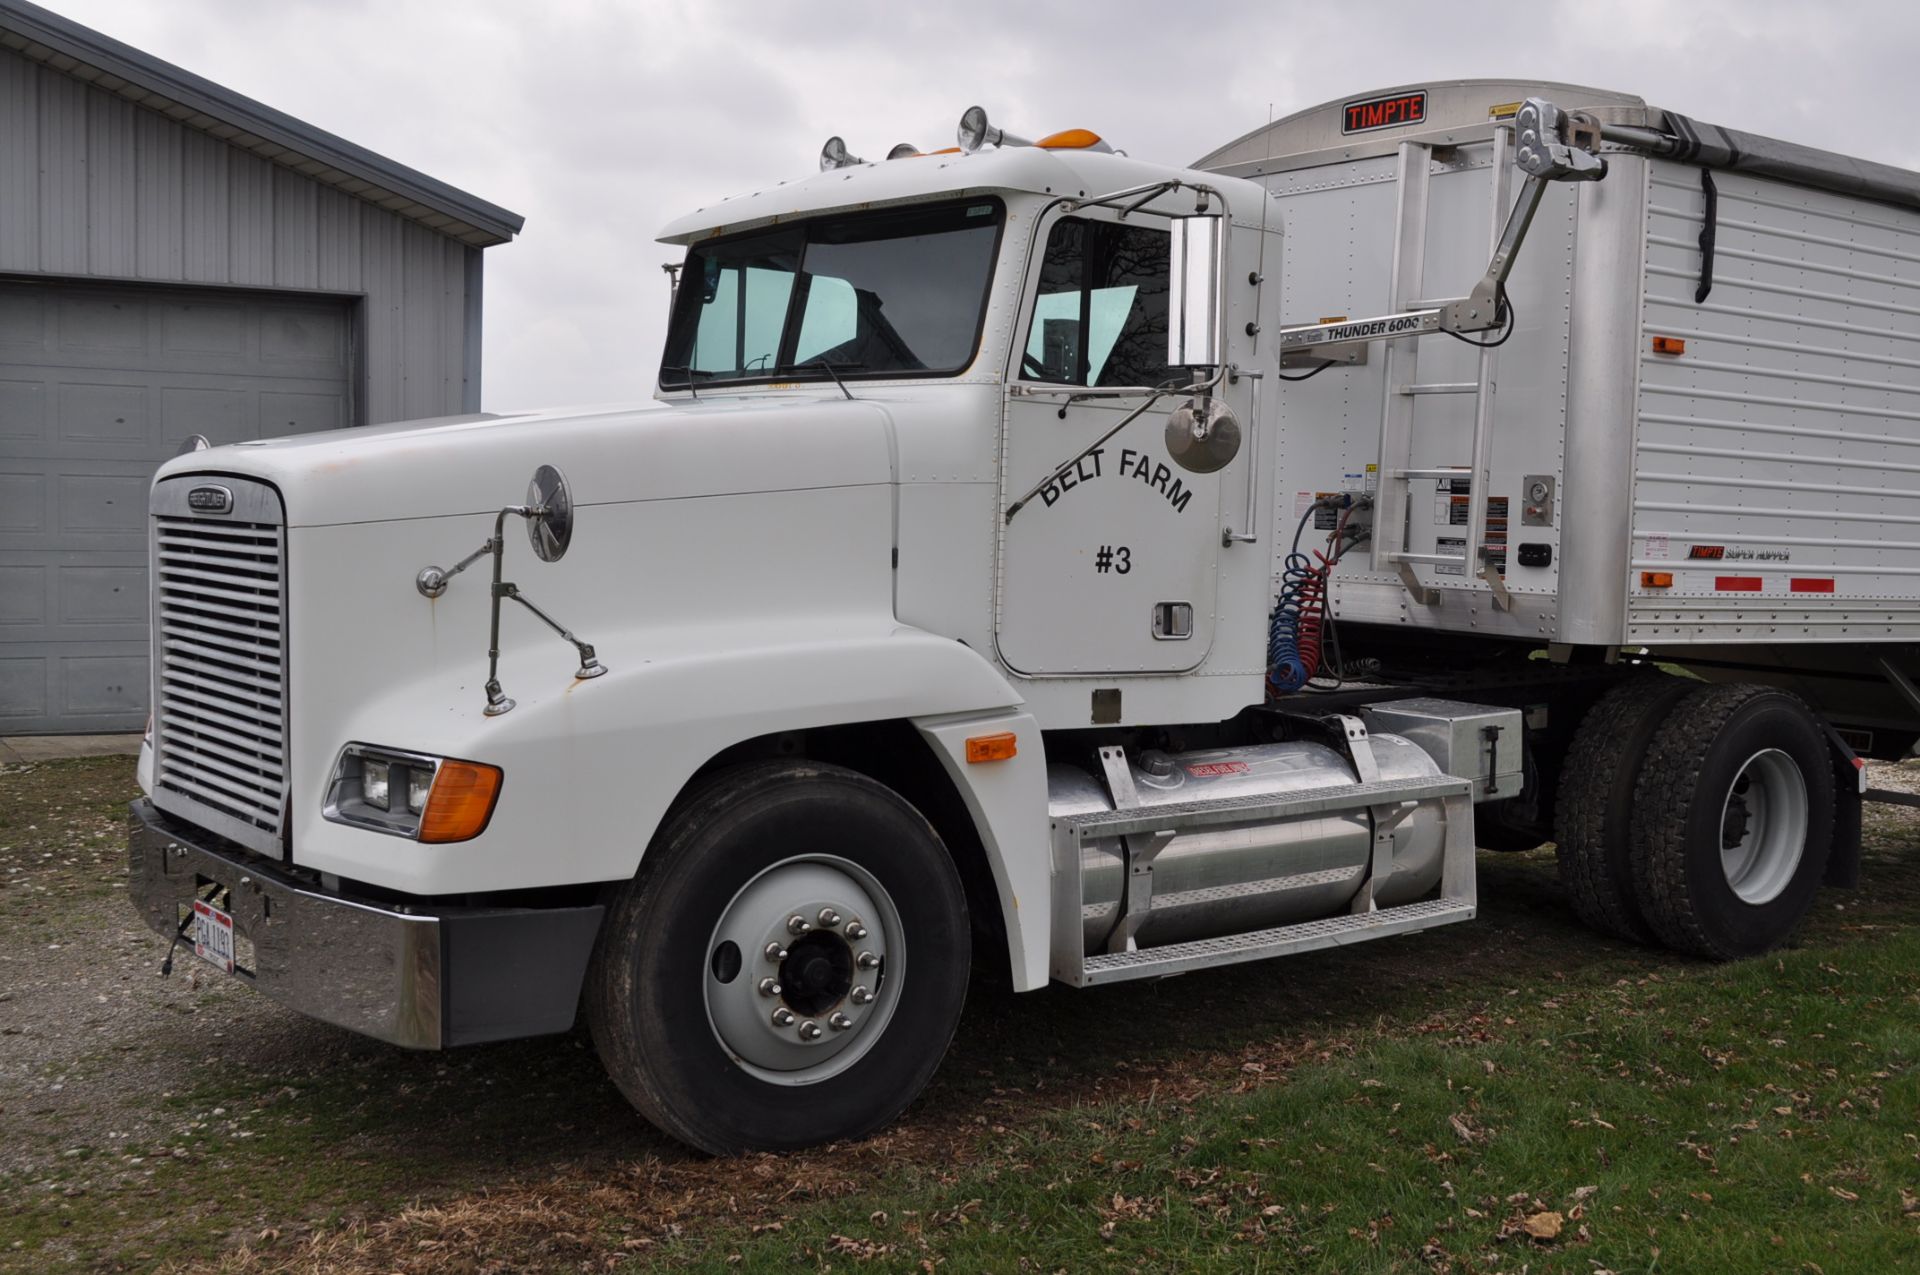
x: 424, y: 977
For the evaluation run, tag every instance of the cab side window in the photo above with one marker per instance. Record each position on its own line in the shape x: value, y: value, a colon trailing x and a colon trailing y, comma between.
x: 1100, y: 317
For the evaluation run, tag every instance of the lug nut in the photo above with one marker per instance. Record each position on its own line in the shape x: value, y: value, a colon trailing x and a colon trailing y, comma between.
x: 868, y: 961
x: 769, y: 987
x: 856, y: 931
x: 838, y: 1021
x: 829, y: 918
x: 810, y: 1030
x: 774, y: 952
x: 783, y: 1017
x: 797, y: 924
x: 862, y: 995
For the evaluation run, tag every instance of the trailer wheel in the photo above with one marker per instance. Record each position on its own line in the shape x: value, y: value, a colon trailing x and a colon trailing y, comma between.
x: 1732, y: 821
x: 1593, y: 814
x: 788, y: 967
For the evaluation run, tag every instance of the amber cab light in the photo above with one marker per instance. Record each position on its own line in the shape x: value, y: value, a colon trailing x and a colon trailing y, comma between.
x: 461, y: 802
x: 998, y: 747
x: 1070, y: 139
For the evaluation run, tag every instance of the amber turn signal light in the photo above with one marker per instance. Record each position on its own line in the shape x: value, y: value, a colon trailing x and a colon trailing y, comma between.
x: 1669, y: 345
x: 1656, y: 579
x: 461, y: 802
x: 992, y: 747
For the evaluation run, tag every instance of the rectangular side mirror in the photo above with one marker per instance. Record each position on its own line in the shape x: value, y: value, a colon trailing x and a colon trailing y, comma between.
x: 1193, y: 302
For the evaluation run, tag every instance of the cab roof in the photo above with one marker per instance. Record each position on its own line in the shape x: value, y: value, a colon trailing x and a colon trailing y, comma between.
x: 1075, y: 174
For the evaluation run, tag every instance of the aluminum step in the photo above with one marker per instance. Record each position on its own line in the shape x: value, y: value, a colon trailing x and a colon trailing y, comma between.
x: 1284, y: 940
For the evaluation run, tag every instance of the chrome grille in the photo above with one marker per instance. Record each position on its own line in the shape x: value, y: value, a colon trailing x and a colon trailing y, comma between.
x: 220, y: 665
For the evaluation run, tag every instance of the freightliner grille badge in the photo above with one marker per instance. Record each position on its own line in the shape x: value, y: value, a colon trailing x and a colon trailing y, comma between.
x: 210, y: 500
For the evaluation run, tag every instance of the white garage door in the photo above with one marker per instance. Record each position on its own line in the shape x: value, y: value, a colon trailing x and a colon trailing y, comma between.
x: 99, y: 385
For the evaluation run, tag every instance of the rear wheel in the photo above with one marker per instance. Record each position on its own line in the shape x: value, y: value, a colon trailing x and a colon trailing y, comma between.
x: 789, y: 966
x: 1594, y: 809
x: 1733, y: 821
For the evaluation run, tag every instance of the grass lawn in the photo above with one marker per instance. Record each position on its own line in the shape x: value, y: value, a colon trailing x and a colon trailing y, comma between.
x: 1513, y: 1094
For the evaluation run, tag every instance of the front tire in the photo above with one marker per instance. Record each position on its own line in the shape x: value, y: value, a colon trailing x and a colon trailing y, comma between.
x: 1733, y: 821
x: 788, y: 967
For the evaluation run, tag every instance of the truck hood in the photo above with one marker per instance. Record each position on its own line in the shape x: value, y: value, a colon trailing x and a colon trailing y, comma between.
x: 476, y: 464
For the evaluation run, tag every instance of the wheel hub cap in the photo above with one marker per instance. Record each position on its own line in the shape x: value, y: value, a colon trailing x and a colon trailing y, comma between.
x: 822, y: 961
x: 1763, y: 826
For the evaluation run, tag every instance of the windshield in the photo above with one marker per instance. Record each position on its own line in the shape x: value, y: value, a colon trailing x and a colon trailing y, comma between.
x: 896, y: 293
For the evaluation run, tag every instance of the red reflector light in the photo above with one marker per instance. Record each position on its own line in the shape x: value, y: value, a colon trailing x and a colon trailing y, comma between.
x: 1737, y: 584
x: 1803, y: 584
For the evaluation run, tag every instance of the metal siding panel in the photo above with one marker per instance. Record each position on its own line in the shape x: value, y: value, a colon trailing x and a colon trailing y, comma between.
x: 63, y: 174
x: 250, y: 222
x: 337, y: 232
x: 383, y: 312
x: 475, y: 267
x: 112, y: 185
x: 19, y: 163
x: 1788, y: 433
x: 206, y: 214
x: 159, y: 217
x: 295, y: 230
x: 423, y: 376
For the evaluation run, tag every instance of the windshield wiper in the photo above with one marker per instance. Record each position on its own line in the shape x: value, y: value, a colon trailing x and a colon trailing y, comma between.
x: 828, y: 368
x: 685, y: 371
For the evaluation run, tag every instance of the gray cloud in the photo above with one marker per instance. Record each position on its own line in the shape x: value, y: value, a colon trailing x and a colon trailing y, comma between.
x: 603, y: 121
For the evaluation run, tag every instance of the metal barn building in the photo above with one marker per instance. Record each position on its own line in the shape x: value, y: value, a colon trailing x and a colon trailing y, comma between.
x: 176, y: 259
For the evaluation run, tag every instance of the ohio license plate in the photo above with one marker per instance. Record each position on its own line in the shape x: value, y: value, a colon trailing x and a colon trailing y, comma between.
x: 213, y: 935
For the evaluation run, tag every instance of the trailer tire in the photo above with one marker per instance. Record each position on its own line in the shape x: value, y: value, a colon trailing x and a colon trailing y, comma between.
x: 1744, y: 763
x: 678, y: 997
x: 1594, y: 808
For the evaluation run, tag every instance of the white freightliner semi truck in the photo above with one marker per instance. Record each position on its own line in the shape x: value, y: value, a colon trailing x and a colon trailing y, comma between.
x: 1037, y: 559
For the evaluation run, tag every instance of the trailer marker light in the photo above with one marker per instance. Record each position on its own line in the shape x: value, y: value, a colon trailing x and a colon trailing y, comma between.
x: 1669, y: 345
x: 998, y: 747
x: 1805, y: 584
x: 1656, y: 579
x: 1738, y: 584
x: 461, y: 803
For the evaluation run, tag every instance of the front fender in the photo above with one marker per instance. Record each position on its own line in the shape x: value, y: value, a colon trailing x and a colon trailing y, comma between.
x: 591, y: 767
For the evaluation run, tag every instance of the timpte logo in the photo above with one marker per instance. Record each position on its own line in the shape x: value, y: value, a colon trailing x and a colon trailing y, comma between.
x: 1707, y: 551
x: 1384, y: 112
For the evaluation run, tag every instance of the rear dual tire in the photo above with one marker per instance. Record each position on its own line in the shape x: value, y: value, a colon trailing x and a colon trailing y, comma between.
x: 1700, y: 817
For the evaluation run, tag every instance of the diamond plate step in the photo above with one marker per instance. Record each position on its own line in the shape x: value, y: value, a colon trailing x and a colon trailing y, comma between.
x: 1233, y: 949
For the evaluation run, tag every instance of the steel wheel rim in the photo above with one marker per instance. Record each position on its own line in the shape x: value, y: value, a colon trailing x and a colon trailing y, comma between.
x: 1763, y: 826
x: 804, y: 1004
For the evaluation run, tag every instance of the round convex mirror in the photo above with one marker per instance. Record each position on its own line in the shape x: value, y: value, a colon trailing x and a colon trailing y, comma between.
x: 550, y: 529
x: 1202, y: 435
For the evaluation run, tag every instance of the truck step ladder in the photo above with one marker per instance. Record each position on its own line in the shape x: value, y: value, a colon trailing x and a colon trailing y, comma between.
x: 1403, y: 388
x: 1146, y: 830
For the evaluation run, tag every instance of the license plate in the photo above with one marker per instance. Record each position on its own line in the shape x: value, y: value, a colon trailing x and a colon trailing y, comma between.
x: 213, y: 935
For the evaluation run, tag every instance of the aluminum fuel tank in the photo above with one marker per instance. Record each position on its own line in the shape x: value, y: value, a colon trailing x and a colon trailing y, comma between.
x: 1238, y: 877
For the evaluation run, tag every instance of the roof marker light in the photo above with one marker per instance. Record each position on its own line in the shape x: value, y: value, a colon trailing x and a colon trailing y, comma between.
x: 905, y: 150
x: 836, y: 155
x: 1074, y: 139
x: 974, y: 132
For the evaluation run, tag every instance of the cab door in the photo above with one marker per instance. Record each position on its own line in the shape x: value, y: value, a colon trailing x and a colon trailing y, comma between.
x: 1110, y: 566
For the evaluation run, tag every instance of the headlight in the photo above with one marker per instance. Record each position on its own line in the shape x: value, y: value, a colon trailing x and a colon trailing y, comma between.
x: 375, y: 785
x: 446, y: 800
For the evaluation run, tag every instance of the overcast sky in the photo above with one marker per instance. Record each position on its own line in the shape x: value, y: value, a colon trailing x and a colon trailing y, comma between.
x: 600, y: 122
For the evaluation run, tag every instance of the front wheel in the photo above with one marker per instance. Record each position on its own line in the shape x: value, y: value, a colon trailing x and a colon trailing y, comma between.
x: 789, y: 966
